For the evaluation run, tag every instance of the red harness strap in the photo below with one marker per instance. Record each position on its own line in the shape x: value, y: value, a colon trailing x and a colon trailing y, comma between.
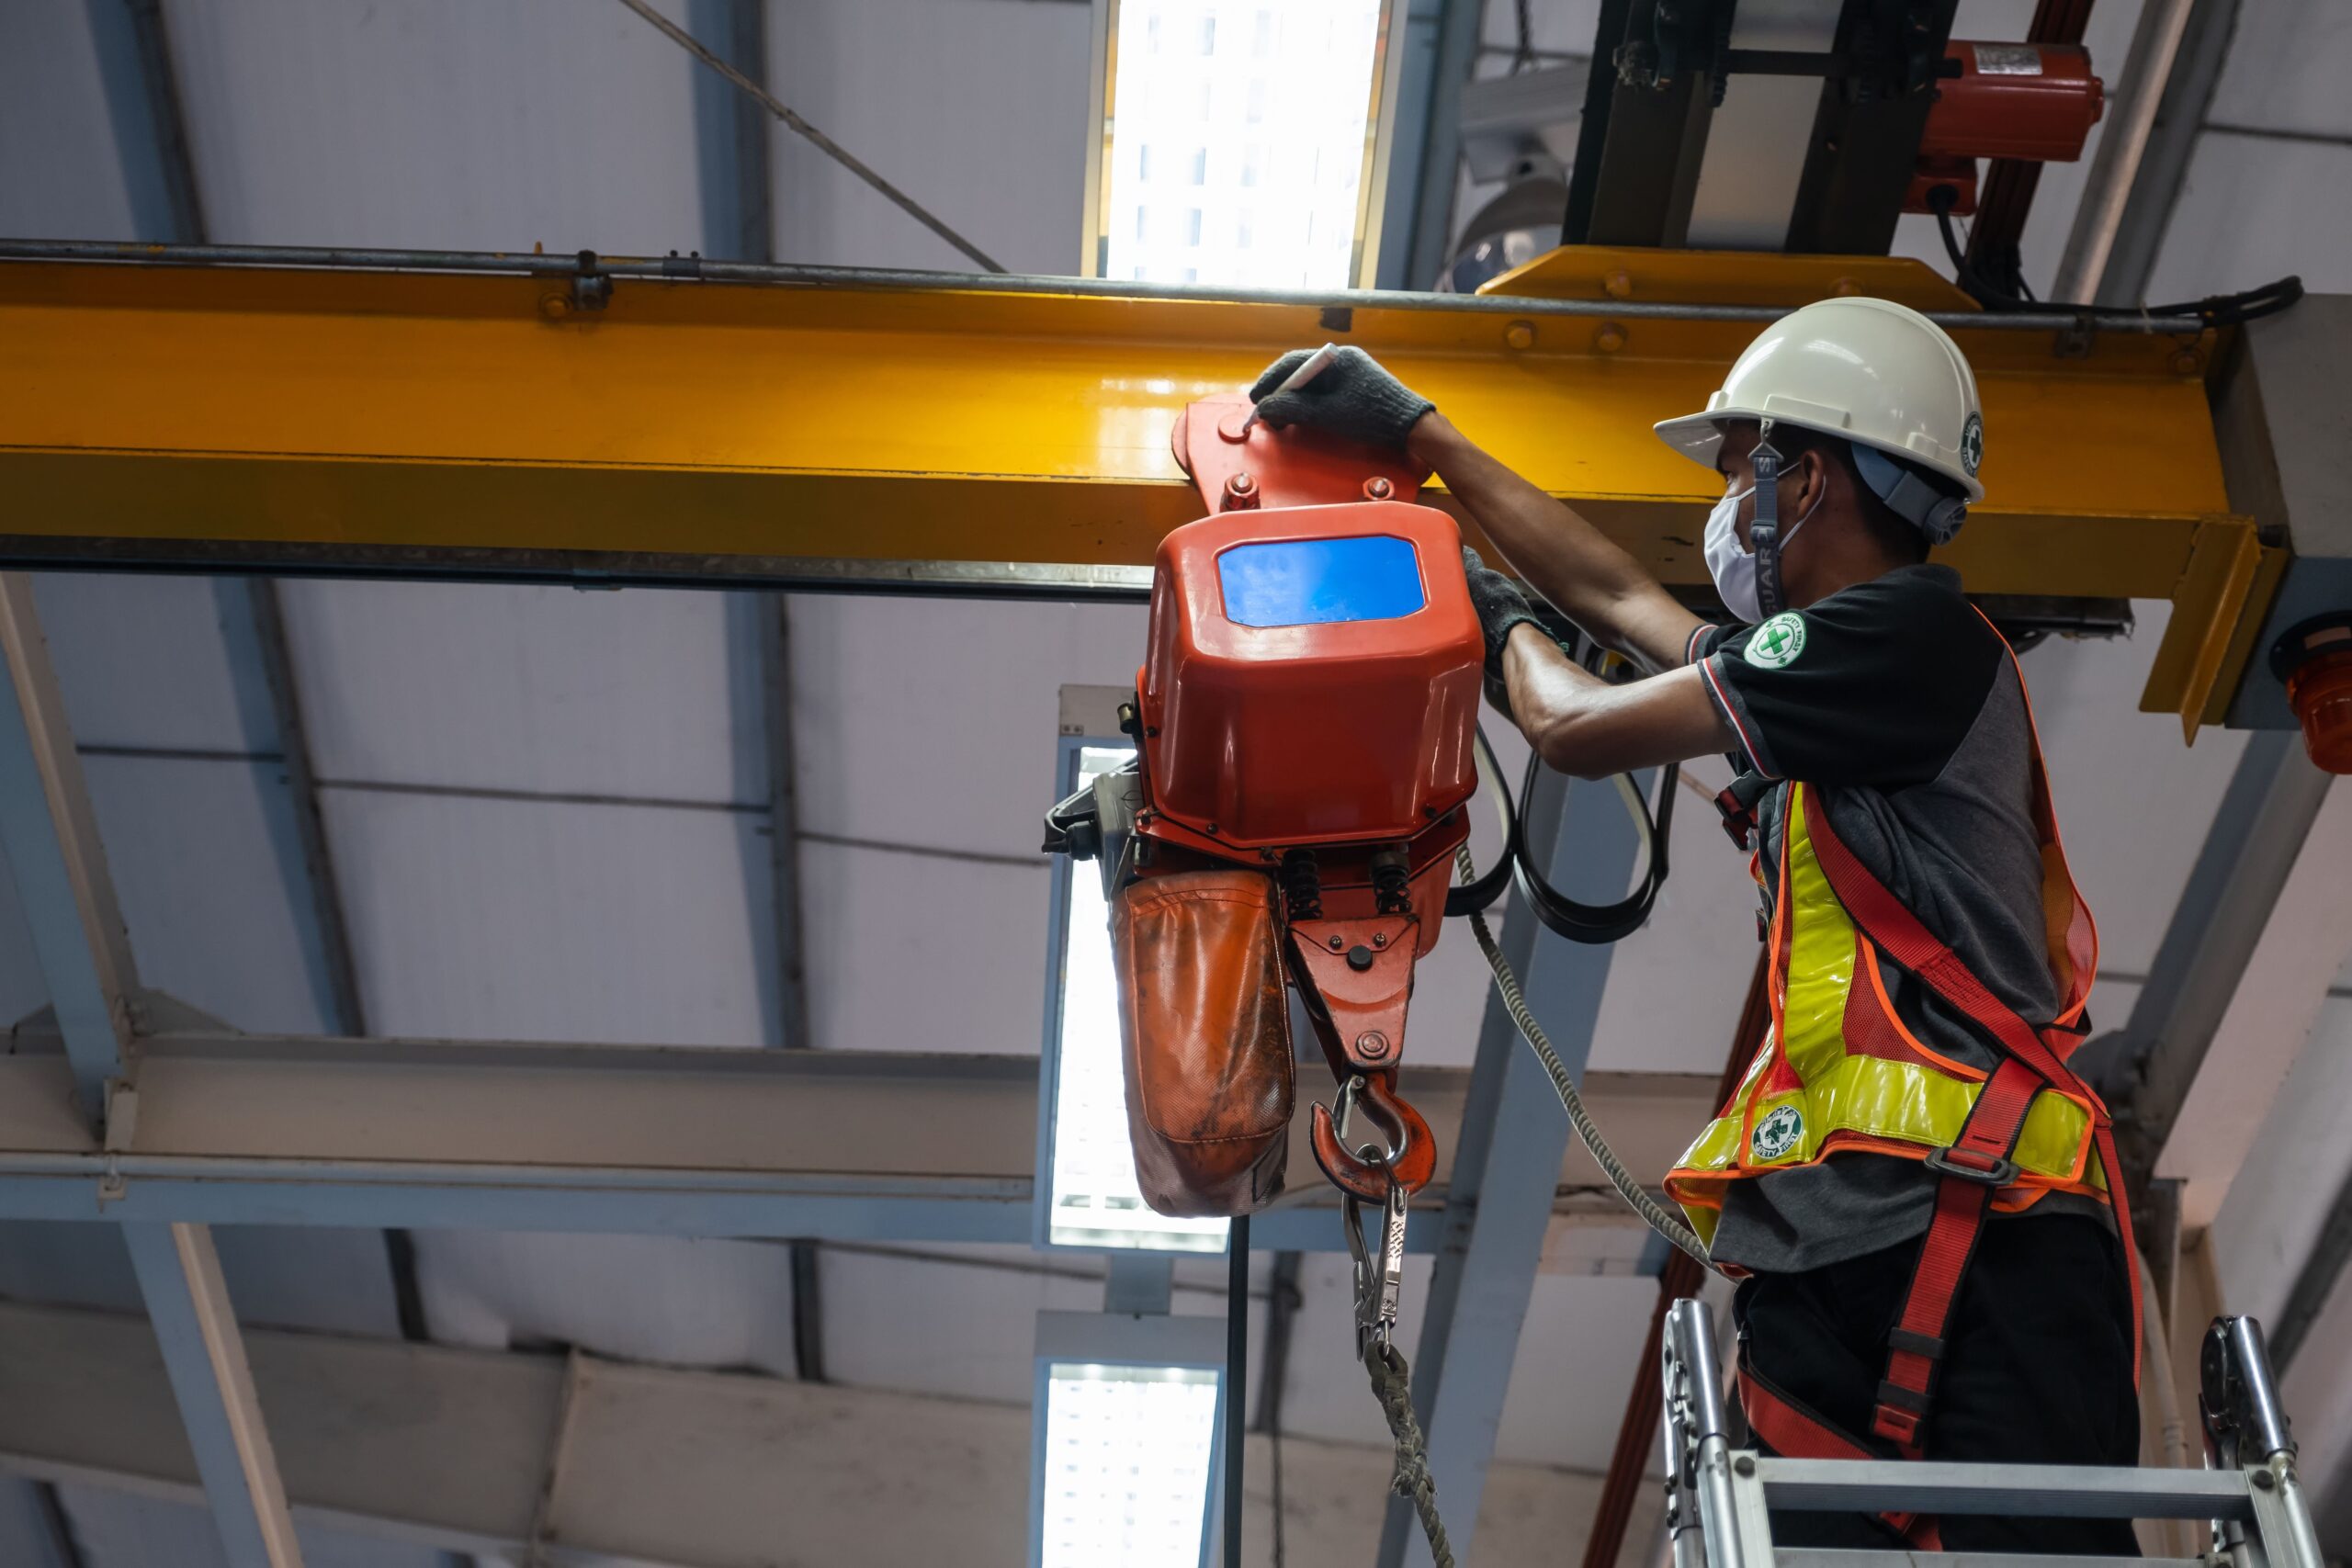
x: 1976, y: 1165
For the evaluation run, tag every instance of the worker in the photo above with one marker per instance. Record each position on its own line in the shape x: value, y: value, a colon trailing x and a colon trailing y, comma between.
x: 1911, y: 1187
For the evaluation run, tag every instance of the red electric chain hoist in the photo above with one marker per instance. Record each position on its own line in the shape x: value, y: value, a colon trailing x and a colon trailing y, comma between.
x: 1305, y: 724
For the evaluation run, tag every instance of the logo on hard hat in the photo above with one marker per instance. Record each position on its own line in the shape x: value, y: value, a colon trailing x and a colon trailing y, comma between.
x: 1778, y: 1134
x: 1971, y: 443
x: 1777, y: 642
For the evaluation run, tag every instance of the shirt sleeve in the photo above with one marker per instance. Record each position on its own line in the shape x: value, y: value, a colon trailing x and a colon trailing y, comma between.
x: 1876, y: 685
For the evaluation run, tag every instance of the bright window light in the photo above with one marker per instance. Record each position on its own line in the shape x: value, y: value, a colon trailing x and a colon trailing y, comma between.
x: 1126, y: 1459
x: 1095, y: 1199
x: 1241, y: 135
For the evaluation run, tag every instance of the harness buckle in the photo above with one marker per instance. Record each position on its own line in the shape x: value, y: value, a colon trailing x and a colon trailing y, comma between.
x: 1974, y: 1165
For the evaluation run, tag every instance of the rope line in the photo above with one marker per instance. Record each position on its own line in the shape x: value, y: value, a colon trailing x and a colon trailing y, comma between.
x: 1392, y: 1382
x: 816, y: 138
x: 1515, y: 1002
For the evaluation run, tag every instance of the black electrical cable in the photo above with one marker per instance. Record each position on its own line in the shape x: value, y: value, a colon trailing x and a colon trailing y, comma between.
x: 1237, y: 1377
x: 2215, y: 311
x: 1571, y: 917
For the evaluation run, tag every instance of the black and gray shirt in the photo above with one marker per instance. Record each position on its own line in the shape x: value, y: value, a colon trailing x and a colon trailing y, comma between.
x: 1901, y: 706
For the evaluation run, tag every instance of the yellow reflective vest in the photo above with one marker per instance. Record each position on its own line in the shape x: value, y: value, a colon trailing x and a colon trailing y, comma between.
x: 1838, y: 1069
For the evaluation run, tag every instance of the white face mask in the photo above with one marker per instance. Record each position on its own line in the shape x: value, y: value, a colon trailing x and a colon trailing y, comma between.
x: 1732, y: 567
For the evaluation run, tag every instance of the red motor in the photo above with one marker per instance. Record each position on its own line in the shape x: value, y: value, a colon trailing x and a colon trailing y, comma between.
x: 2036, y: 102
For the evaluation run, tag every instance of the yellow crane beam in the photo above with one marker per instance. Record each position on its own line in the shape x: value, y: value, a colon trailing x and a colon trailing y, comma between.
x: 895, y: 431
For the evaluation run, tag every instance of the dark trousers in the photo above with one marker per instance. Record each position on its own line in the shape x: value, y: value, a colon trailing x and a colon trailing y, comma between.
x: 2037, y: 1369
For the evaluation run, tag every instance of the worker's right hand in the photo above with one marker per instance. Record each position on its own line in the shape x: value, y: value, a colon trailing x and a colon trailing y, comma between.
x: 1354, y: 398
x: 1502, y: 608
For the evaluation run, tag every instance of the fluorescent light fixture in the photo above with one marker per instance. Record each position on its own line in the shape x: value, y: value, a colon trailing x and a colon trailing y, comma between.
x: 1240, y: 142
x: 1092, y: 1199
x: 1128, y: 1453
x: 1123, y: 1451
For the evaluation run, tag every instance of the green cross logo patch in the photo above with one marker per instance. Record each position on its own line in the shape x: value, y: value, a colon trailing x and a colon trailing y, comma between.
x: 1778, y: 1134
x: 1777, y: 642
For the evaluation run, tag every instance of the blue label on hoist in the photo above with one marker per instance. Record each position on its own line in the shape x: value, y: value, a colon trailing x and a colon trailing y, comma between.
x: 1303, y: 582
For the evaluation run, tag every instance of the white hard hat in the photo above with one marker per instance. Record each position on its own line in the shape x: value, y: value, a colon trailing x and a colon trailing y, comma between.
x: 1879, y: 374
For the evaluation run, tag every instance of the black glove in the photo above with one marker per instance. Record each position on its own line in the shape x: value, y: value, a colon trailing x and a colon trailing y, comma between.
x: 1353, y: 397
x: 1501, y: 607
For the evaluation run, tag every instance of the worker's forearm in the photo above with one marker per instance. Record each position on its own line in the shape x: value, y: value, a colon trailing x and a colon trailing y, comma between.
x: 1554, y: 550
x: 1590, y: 728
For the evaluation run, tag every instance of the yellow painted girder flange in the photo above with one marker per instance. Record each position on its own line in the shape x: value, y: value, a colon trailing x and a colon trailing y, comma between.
x: 369, y: 413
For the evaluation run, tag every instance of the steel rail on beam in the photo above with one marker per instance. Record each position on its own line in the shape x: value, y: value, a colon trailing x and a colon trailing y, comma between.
x: 912, y: 430
x: 675, y: 1140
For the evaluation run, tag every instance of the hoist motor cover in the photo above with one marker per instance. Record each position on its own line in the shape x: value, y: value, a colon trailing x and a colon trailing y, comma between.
x: 1312, y: 675
x: 2032, y: 101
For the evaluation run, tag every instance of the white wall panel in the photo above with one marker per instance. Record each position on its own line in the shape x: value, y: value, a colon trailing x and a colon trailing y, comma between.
x: 439, y: 123
x: 2288, y: 61
x: 60, y: 177
x: 913, y: 952
x: 157, y: 661
x: 2253, y: 209
x: 977, y: 109
x: 502, y: 920
x: 209, y: 876
x: 639, y: 692
x: 934, y: 722
x: 671, y: 1300
x: 326, y: 1281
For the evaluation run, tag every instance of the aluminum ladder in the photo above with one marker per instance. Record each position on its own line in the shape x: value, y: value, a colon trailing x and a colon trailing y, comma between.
x: 1717, y: 1496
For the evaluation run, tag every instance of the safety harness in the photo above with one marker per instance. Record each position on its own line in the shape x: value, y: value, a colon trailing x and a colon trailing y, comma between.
x: 1973, y: 1168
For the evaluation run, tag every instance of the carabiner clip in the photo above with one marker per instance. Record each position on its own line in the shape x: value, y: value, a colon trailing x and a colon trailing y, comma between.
x: 1379, y: 1281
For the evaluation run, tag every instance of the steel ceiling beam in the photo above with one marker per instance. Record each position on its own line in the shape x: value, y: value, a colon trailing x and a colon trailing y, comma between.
x: 732, y: 158
x: 450, y: 1448
x: 2148, y: 1069
x: 885, y: 432
x: 187, y: 1304
x: 60, y: 871
x: 671, y: 1140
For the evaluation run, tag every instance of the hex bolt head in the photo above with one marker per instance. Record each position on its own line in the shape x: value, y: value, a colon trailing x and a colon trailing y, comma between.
x: 1620, y: 283
x: 1520, y: 335
x: 1610, y: 338
x: 1337, y: 944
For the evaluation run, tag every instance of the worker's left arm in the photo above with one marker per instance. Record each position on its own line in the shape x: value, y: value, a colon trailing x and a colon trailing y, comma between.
x: 1590, y: 728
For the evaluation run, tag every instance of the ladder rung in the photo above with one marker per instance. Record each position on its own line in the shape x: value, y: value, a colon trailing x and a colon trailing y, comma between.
x: 1882, y: 1486
x: 1829, y: 1556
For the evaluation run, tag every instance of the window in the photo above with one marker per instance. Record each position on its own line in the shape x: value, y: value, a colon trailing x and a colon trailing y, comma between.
x: 1192, y: 228
x: 1305, y: 66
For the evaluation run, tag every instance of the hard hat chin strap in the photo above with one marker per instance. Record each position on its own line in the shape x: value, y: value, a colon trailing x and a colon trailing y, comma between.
x: 1764, y: 528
